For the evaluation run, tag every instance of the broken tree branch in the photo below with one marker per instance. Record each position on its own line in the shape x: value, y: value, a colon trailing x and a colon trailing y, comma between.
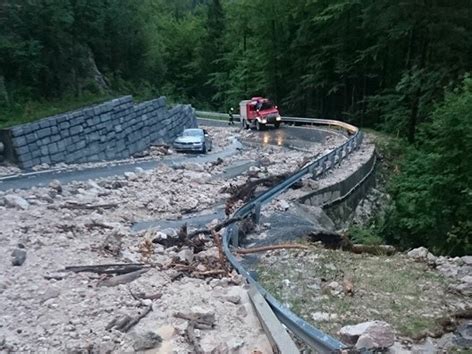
x: 87, y: 206
x: 134, y: 321
x: 270, y: 248
x: 216, y: 228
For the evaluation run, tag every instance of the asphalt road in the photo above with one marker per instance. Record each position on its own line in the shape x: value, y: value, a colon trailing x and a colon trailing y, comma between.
x: 287, y: 136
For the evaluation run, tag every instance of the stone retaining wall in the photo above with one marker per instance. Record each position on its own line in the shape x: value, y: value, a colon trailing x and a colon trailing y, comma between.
x: 339, y: 190
x: 116, y: 129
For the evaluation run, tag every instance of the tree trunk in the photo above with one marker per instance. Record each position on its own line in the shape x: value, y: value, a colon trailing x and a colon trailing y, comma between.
x: 3, y: 91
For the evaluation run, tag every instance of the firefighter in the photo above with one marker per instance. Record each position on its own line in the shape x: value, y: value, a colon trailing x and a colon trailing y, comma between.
x: 231, y: 118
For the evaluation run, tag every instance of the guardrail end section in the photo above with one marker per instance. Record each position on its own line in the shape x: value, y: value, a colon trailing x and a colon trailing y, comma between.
x: 278, y: 337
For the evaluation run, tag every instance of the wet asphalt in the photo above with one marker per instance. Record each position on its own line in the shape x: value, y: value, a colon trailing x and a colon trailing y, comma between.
x: 284, y: 136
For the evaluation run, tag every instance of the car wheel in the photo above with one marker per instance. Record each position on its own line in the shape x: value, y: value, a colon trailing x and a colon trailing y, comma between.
x: 204, y: 149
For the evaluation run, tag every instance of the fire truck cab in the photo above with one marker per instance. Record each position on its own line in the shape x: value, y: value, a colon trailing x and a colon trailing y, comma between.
x: 259, y: 112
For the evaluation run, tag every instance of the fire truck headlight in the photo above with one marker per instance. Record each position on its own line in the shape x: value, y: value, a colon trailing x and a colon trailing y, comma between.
x: 263, y: 121
x: 278, y: 118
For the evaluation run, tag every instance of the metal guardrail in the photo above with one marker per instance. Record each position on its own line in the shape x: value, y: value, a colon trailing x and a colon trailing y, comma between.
x: 312, y: 336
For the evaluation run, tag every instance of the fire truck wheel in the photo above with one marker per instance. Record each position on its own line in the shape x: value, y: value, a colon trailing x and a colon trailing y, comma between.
x: 258, y: 125
x: 246, y: 124
x: 277, y: 125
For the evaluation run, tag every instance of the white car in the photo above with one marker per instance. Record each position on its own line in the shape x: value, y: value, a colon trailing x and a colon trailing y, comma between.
x: 195, y: 139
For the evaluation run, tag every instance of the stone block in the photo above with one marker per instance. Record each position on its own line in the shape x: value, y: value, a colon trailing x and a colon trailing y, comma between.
x: 53, y: 148
x: 88, y: 112
x: 45, y: 159
x: 64, y: 125
x: 42, y: 133
x: 61, y: 145
x: 19, y: 141
x: 58, y: 157
x: 77, y: 129
x: 44, y: 150
x: 36, y: 153
x: 30, y: 138
x: 45, y: 141
x: 80, y: 144
x: 55, y: 138
x: 27, y: 164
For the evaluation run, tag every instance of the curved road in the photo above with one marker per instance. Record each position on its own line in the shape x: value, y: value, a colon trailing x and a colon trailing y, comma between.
x: 286, y: 136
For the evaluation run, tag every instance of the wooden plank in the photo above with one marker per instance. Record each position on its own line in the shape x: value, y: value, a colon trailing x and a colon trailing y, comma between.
x: 278, y: 336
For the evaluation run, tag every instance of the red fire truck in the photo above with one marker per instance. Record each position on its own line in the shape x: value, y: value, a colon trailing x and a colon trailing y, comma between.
x: 259, y: 112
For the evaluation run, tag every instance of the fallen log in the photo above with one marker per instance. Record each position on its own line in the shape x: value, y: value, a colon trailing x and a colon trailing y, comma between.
x: 210, y: 273
x: 88, y: 206
x: 270, y: 248
x: 124, y: 278
x: 107, y: 268
x: 335, y: 240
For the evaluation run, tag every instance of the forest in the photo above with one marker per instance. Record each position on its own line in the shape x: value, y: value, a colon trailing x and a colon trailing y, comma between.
x: 398, y: 67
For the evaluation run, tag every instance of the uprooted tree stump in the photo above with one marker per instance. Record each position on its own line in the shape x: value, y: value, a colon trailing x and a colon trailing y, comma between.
x: 335, y: 240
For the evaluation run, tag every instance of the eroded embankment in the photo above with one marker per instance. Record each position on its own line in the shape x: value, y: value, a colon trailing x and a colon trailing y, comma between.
x: 420, y: 297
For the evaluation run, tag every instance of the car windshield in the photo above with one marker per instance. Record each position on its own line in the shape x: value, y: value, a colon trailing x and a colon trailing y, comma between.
x: 262, y: 106
x: 192, y: 132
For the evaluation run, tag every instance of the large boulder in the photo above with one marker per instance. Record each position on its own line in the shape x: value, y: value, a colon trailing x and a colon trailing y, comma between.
x: 422, y: 254
x: 368, y: 335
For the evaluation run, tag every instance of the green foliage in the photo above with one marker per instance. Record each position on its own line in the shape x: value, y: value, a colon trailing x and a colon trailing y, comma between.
x: 31, y: 110
x: 433, y: 193
x: 377, y: 63
x: 365, y: 235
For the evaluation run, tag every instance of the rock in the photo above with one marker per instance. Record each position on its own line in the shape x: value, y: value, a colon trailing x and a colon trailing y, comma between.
x: 50, y: 293
x: 56, y: 186
x: 465, y: 287
x: 148, y: 340
x: 467, y: 260
x: 422, y: 254
x: 368, y: 335
x: 463, y: 336
x: 234, y: 299
x: 282, y: 205
x: 207, y: 313
x: 4, y: 284
x: 131, y: 176
x: 185, y: 255
x: 335, y: 288
x: 448, y: 269
x: 193, y: 166
x: 323, y: 316
x: 15, y: 201
x: 18, y: 256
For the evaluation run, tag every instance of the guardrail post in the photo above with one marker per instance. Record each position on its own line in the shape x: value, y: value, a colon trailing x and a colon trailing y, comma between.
x: 256, y: 216
x: 234, y: 232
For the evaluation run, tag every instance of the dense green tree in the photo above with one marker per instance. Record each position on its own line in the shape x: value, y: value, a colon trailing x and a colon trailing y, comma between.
x: 432, y: 196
